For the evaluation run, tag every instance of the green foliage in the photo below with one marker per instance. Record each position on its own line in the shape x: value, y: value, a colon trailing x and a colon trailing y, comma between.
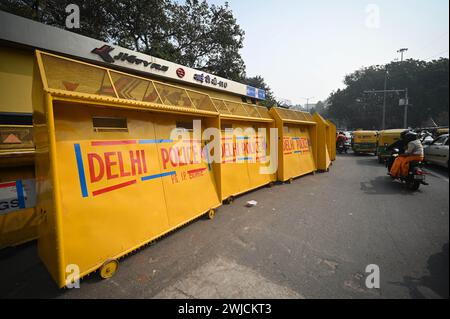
x: 427, y: 84
x: 192, y: 33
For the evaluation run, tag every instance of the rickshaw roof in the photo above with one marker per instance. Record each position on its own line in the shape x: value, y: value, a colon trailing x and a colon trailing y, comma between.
x: 392, y: 132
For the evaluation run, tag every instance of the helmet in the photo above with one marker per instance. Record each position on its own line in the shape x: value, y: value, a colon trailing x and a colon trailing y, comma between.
x: 403, y: 134
x: 411, y: 136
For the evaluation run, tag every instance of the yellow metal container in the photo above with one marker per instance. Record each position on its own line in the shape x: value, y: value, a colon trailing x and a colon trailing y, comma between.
x: 332, y: 140
x: 323, y: 147
x: 365, y: 142
x: 111, y: 177
x: 297, y: 147
x: 245, y: 147
x: 18, y: 219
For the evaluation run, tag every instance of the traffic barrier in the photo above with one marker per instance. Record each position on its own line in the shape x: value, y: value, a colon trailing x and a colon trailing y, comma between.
x: 245, y: 147
x: 18, y: 219
x: 365, y: 142
x: 111, y: 176
x: 323, y: 148
x: 297, y: 147
x: 332, y: 140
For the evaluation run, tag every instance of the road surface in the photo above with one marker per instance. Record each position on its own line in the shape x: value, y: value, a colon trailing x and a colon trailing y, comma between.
x: 311, y: 239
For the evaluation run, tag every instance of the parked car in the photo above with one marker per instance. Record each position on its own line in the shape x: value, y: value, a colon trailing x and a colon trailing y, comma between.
x: 437, y: 151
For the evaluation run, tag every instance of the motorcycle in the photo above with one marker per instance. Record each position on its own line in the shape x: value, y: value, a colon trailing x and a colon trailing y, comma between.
x: 342, y: 148
x: 416, y: 175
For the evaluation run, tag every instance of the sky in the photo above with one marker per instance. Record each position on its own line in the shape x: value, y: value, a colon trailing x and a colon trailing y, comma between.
x: 303, y: 49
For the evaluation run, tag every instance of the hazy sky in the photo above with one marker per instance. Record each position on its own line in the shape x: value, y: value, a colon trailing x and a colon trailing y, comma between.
x: 305, y: 48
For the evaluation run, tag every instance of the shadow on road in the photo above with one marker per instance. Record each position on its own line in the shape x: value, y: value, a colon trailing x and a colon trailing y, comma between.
x: 22, y: 275
x: 384, y: 185
x: 437, y: 281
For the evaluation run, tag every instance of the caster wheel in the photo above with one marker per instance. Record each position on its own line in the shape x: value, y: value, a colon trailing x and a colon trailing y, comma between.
x: 229, y: 200
x: 108, y: 269
x: 211, y: 213
x: 271, y: 184
x: 290, y: 180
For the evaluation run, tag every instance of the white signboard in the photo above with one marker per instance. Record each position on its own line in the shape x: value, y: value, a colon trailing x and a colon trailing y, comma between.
x: 17, y: 195
x: 37, y: 35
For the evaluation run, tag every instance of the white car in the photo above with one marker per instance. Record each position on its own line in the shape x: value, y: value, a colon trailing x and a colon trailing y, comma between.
x: 348, y: 142
x: 437, y: 151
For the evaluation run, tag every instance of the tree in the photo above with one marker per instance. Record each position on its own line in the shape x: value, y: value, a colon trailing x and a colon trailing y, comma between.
x: 427, y: 84
x: 194, y: 33
x: 258, y: 82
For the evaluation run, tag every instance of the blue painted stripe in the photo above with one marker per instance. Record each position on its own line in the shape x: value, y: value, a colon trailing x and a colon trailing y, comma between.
x: 296, y: 152
x: 146, y: 178
x: 207, y: 157
x: 155, y: 141
x: 20, y: 197
x: 244, y: 158
x: 296, y: 138
x: 242, y: 138
x: 80, y: 166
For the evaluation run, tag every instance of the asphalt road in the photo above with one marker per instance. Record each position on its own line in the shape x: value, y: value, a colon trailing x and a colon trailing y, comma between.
x: 311, y: 239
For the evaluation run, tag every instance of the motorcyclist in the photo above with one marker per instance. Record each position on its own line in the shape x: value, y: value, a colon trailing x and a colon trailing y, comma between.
x: 340, y: 142
x: 341, y: 139
x: 413, y: 153
x: 401, y: 144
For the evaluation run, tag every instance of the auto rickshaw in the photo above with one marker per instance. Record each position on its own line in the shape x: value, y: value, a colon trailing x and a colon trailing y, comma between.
x: 386, y: 138
x: 441, y: 131
x: 365, y: 142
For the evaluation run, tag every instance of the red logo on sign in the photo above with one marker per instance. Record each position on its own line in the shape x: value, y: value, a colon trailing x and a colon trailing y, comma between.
x: 181, y: 73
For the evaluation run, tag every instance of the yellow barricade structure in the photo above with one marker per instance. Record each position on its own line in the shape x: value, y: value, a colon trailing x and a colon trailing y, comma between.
x: 297, y: 147
x: 245, y: 147
x: 332, y: 140
x: 111, y: 177
x: 323, y: 147
x: 18, y: 220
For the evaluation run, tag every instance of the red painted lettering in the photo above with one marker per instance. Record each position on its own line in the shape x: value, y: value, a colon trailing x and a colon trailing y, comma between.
x: 121, y: 168
x: 144, y: 162
x: 165, y: 157
x: 99, y: 176
x: 135, y: 160
x: 109, y: 164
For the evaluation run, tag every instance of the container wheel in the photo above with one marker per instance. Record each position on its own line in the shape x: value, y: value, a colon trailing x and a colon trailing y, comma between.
x: 108, y: 269
x: 290, y: 180
x: 229, y: 200
x: 271, y: 184
x: 211, y: 213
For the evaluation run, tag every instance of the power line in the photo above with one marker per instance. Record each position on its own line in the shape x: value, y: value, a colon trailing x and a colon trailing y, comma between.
x: 433, y: 56
x: 426, y: 46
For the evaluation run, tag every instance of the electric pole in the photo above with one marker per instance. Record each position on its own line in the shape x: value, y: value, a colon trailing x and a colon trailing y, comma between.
x: 406, y: 101
x: 307, y: 102
x: 401, y: 51
x: 383, y: 122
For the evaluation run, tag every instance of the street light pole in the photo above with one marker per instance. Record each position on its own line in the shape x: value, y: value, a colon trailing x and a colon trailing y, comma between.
x: 405, y: 118
x: 307, y: 102
x: 383, y: 122
x: 401, y: 51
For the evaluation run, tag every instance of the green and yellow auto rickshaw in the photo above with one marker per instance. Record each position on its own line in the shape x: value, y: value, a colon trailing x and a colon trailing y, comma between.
x: 386, y: 138
x: 365, y: 142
